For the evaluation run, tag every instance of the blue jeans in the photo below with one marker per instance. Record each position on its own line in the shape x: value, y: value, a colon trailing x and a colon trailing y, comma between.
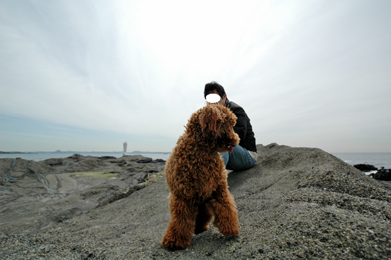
x: 239, y: 160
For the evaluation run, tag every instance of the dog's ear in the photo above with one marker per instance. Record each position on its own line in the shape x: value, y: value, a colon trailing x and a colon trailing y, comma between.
x: 211, y: 119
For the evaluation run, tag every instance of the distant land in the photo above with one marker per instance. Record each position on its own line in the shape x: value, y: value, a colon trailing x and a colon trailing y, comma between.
x: 74, y: 152
x: 11, y: 152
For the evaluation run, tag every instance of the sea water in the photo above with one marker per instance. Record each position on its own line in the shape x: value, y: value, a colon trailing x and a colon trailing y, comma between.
x: 43, y: 156
x: 376, y: 159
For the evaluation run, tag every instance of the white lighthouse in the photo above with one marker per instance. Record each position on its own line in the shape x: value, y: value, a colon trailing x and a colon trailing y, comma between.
x: 125, y: 147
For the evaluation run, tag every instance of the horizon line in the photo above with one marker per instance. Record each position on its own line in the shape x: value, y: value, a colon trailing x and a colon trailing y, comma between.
x: 59, y: 151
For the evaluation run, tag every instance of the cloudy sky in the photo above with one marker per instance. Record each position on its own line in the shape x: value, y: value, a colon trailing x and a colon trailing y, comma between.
x: 89, y: 75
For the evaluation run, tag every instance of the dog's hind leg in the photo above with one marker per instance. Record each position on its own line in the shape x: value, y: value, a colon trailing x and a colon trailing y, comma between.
x: 204, y: 216
x: 181, y: 226
x: 225, y: 212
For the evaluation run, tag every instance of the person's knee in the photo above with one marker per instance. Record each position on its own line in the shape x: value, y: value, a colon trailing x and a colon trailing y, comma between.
x: 240, y: 160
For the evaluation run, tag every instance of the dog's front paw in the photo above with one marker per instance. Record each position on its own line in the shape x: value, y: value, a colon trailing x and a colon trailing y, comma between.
x: 172, y: 244
x: 230, y: 232
x: 231, y: 229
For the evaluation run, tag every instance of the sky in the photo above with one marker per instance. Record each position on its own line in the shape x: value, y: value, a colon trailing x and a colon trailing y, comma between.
x: 89, y: 75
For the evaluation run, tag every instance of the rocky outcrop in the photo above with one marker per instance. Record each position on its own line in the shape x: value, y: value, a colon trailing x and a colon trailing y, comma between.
x: 382, y: 174
x: 39, y: 195
x: 365, y: 167
x: 295, y: 203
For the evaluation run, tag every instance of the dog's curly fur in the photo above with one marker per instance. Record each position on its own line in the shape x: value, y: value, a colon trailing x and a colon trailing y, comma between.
x: 197, y: 178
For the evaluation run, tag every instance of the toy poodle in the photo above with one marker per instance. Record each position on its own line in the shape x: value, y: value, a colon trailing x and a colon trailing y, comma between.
x: 197, y: 178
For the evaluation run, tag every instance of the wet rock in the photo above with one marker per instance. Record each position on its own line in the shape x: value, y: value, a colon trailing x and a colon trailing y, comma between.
x: 107, y: 157
x: 133, y: 157
x: 122, y: 163
x: 365, y: 167
x: 382, y: 174
x: 76, y: 157
x: 146, y: 160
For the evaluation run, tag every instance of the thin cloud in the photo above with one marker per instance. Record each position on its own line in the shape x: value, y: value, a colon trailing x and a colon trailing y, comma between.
x: 307, y: 74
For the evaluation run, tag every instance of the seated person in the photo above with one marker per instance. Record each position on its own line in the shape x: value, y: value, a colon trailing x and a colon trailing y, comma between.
x: 244, y: 155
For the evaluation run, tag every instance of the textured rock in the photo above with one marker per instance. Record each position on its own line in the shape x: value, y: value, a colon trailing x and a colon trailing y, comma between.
x: 382, y: 174
x: 294, y: 203
x: 39, y: 195
x: 365, y: 167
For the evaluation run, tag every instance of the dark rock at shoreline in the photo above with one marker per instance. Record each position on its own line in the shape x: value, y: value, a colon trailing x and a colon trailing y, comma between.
x: 107, y: 157
x: 365, y: 167
x: 382, y: 174
x: 147, y: 160
x: 54, y: 161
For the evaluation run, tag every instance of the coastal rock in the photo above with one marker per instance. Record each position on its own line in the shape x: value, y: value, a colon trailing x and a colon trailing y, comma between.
x: 54, y: 161
x: 134, y: 157
x: 147, y: 160
x: 382, y: 174
x: 294, y: 203
x: 365, y: 167
x: 39, y: 195
x: 107, y: 157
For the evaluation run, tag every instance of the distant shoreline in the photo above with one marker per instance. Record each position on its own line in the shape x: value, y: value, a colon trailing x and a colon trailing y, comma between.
x: 40, y: 156
x: 77, y: 152
x: 12, y: 152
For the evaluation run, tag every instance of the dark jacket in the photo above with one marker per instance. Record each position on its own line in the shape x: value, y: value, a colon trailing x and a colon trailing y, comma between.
x: 243, y: 126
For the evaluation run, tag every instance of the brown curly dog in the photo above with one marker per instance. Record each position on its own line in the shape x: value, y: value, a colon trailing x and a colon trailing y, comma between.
x: 197, y: 178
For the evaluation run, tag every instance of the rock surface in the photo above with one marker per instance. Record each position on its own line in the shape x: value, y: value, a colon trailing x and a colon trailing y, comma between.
x: 39, y: 195
x: 382, y: 174
x: 365, y: 167
x: 294, y: 203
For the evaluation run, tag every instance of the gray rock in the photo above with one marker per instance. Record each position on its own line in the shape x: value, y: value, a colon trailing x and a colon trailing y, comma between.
x: 54, y: 161
x: 294, y: 203
x: 133, y: 157
x: 146, y: 160
x: 39, y: 195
